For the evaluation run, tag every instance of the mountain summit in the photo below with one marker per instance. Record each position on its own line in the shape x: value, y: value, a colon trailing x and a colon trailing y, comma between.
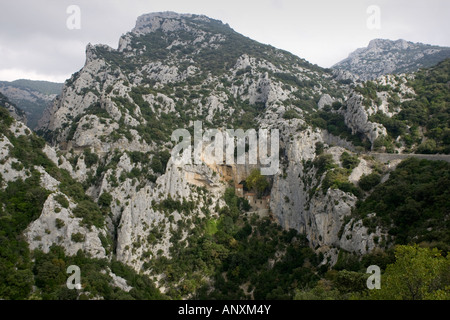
x: 383, y: 57
x: 103, y: 192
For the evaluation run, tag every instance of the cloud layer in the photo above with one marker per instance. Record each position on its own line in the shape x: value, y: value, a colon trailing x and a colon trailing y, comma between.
x: 35, y: 42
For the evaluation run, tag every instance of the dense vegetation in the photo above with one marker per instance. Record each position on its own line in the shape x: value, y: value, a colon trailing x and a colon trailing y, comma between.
x: 428, y: 111
x: 236, y: 250
x: 50, y: 276
x: 234, y: 255
x: 334, y: 123
x: 257, y: 183
x: 413, y: 204
x: 409, y: 272
x: 21, y: 203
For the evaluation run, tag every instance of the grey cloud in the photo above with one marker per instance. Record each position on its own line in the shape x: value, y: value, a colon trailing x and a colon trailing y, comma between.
x: 34, y: 36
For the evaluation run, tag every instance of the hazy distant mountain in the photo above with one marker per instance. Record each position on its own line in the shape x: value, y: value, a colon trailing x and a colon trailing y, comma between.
x: 383, y: 56
x: 15, y: 112
x: 31, y: 96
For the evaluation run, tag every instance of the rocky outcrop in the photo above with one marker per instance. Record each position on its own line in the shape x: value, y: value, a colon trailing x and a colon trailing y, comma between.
x: 111, y: 104
x: 357, y: 119
x: 357, y: 239
x: 57, y: 226
x: 325, y: 100
x: 298, y: 202
x: 383, y: 57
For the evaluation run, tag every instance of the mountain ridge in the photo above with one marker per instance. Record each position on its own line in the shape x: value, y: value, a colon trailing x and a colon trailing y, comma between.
x: 108, y: 193
x: 383, y: 56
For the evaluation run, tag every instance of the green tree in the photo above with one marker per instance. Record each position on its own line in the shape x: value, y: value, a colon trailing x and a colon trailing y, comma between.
x: 417, y: 274
x: 105, y: 199
x: 319, y: 148
x: 428, y: 146
x: 90, y: 158
x: 77, y: 237
x: 349, y: 161
x: 368, y: 182
x: 62, y: 200
x: 257, y: 182
x: 322, y: 291
x: 350, y: 281
x: 90, y: 213
x: 157, y: 166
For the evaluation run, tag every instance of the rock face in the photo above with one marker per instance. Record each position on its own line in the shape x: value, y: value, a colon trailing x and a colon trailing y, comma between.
x: 325, y: 100
x: 111, y: 129
x: 57, y: 227
x: 383, y: 57
x: 357, y: 118
x: 319, y: 215
x: 56, y: 224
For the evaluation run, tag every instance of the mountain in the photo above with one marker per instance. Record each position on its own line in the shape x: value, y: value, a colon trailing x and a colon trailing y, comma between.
x: 15, y: 112
x: 414, y: 109
x: 31, y: 96
x: 384, y: 56
x: 104, y: 191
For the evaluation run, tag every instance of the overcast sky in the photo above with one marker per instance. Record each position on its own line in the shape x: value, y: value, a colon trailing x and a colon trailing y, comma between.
x: 35, y: 42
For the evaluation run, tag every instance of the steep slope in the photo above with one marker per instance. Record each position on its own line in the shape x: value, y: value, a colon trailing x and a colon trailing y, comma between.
x: 13, y: 110
x: 47, y: 223
x: 382, y: 57
x: 168, y: 72
x: 197, y: 230
x: 413, y: 108
x: 33, y: 97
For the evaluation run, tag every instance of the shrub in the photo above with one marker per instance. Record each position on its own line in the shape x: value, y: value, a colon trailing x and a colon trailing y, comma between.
x: 319, y: 148
x: 349, y: 161
x: 77, y: 237
x: 105, y: 199
x: 90, y: 213
x: 62, y: 200
x: 90, y: 158
x: 291, y: 114
x: 157, y: 166
x: 428, y: 147
x: 367, y: 182
x: 59, y: 223
x: 417, y: 274
x: 323, y: 163
x: 257, y: 182
x: 413, y: 202
x: 338, y: 179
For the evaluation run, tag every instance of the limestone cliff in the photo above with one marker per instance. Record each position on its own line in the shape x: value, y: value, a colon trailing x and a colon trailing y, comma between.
x: 123, y: 105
